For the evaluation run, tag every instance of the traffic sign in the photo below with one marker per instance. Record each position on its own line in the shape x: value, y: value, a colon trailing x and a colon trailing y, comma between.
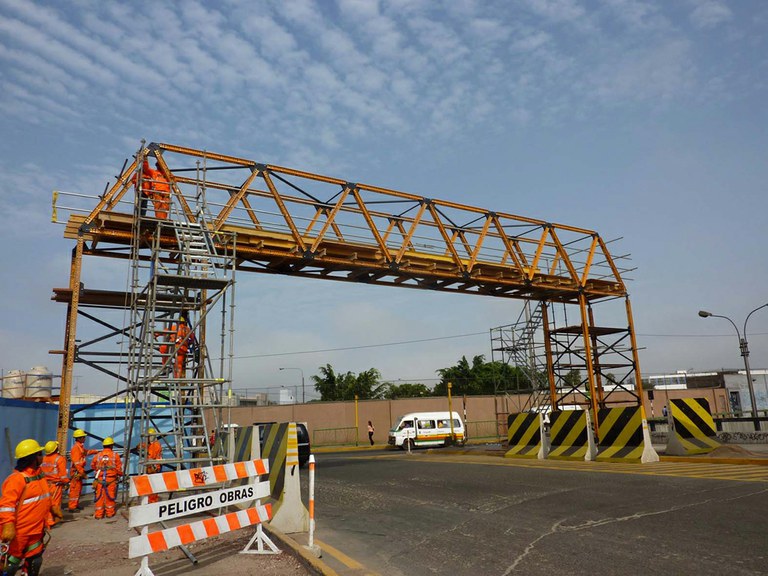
x: 178, y: 507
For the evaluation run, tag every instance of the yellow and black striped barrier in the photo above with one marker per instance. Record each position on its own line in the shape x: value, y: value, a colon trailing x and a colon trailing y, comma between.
x: 621, y: 434
x: 571, y: 436
x: 523, y: 435
x: 692, y: 429
x: 275, y: 449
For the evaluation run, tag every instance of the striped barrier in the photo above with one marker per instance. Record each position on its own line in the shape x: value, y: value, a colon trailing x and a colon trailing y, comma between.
x: 692, y: 429
x: 171, y: 537
x: 280, y: 446
x: 624, y: 436
x: 147, y: 484
x: 571, y: 436
x: 524, y: 435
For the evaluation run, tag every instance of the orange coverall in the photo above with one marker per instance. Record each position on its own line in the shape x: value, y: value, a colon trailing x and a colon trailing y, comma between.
x: 161, y: 194
x: 184, y: 337
x: 25, y: 502
x: 109, y: 468
x: 54, y: 467
x: 154, y: 452
x: 77, y: 473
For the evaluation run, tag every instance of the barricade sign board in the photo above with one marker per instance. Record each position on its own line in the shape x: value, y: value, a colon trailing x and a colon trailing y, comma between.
x: 178, y: 507
x: 164, y: 539
x: 172, y: 481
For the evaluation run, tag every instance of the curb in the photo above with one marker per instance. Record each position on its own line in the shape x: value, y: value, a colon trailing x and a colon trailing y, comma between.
x: 714, y: 460
x: 330, y: 449
x: 309, y: 560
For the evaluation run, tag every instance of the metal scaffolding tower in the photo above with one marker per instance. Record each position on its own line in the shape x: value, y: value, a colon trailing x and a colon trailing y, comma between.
x: 174, y: 288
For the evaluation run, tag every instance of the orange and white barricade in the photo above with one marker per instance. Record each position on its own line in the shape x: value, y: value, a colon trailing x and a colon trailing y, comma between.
x: 144, y: 485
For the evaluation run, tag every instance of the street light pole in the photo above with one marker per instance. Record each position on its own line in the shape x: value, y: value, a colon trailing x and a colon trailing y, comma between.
x: 744, y: 349
x: 303, y: 391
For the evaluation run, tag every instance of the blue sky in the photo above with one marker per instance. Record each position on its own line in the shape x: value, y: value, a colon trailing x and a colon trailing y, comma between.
x: 643, y: 120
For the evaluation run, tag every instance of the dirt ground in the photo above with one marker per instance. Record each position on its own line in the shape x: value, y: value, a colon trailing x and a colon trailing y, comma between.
x: 85, y: 546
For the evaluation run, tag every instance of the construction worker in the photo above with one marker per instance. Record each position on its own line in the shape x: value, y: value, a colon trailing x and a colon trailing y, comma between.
x: 109, y: 469
x: 154, y: 451
x: 161, y: 193
x: 147, y: 191
x: 77, y: 470
x: 54, y: 467
x: 184, y: 339
x: 24, y: 507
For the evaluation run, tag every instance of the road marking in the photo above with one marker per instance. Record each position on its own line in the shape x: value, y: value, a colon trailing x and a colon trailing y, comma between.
x: 737, y: 472
x: 344, y: 559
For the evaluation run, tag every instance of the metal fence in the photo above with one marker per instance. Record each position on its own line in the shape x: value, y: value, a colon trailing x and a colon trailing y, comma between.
x: 335, y: 436
x: 482, y: 430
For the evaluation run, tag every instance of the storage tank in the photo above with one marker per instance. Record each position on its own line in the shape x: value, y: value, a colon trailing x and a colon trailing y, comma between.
x: 39, y: 382
x: 13, y: 384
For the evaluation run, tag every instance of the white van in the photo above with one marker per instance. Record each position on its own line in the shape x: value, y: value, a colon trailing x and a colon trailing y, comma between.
x: 427, y: 429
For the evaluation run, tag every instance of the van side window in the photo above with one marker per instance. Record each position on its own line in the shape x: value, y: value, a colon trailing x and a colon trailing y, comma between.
x: 456, y: 423
x: 406, y: 424
x: 426, y: 424
x: 444, y: 424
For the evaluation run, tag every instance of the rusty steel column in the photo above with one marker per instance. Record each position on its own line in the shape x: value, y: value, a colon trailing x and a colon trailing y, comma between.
x: 548, y: 348
x: 588, y: 358
x: 69, y: 343
x: 596, y: 357
x: 635, y: 358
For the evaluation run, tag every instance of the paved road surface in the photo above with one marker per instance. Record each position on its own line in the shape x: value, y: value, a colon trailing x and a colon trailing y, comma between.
x: 457, y: 514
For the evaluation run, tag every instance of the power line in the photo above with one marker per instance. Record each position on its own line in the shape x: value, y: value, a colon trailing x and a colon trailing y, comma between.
x: 364, y: 346
x: 468, y: 335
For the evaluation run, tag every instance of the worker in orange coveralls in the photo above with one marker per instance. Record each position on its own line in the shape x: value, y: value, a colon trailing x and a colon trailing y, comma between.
x: 184, y: 339
x: 161, y: 193
x: 109, y: 469
x: 78, y: 455
x: 24, y: 507
x: 154, y: 451
x: 54, y: 467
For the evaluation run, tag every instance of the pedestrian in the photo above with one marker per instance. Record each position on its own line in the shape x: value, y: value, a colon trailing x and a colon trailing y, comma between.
x: 77, y: 472
x: 25, y: 504
x: 161, y: 193
x: 152, y: 451
x: 109, y: 469
x: 371, y: 430
x: 54, y: 467
x: 664, y: 410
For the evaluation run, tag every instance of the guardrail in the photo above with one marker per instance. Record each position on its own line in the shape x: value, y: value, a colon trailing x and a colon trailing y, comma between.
x: 335, y: 436
x: 482, y: 430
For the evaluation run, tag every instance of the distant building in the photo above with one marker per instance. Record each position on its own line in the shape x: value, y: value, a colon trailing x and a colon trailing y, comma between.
x: 734, y: 381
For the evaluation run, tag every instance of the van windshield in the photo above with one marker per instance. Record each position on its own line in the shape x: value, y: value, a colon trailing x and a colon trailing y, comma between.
x: 402, y: 424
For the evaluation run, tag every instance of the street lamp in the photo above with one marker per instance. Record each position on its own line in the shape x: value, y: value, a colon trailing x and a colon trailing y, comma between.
x: 303, y: 395
x: 744, y: 347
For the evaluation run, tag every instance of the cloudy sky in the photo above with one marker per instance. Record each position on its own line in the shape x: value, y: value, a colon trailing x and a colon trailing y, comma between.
x: 644, y: 120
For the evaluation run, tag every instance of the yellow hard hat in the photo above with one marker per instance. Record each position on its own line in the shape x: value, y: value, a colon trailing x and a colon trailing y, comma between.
x: 108, y: 441
x: 79, y: 433
x: 27, y: 447
x: 151, y: 432
x: 51, y: 446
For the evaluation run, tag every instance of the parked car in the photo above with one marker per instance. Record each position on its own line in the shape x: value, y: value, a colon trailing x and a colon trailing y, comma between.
x: 302, y: 435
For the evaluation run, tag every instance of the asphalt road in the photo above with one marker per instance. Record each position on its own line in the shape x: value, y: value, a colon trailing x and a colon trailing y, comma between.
x: 454, y: 515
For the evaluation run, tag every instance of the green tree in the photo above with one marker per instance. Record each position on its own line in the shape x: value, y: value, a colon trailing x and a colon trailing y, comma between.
x: 481, y: 377
x: 406, y: 390
x: 334, y: 386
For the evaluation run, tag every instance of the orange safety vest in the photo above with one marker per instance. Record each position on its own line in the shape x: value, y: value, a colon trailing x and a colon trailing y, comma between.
x: 55, y: 468
x: 25, y: 501
x: 108, y: 466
